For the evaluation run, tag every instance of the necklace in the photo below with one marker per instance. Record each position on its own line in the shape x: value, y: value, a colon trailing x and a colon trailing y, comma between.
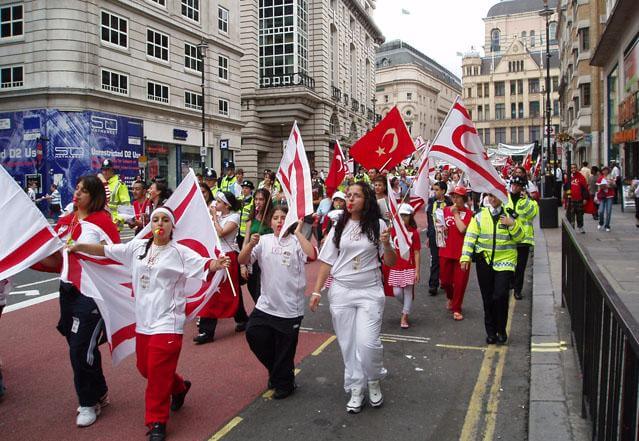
x: 154, y: 258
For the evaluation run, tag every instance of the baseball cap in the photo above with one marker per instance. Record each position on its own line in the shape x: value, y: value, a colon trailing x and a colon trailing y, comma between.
x: 406, y: 209
x: 518, y: 180
x: 338, y: 195
x: 460, y: 190
x: 107, y: 163
x: 247, y: 183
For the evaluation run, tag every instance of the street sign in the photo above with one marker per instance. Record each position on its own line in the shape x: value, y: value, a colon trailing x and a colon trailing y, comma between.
x: 203, y: 151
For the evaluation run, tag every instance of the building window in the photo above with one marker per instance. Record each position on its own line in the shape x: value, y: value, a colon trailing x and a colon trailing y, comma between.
x: 11, y: 77
x: 223, y: 67
x: 486, y: 90
x: 486, y: 136
x: 157, y: 92
x: 222, y: 19
x: 520, y: 110
x: 555, y: 84
x: 584, y: 39
x: 513, y: 135
x: 520, y: 135
x: 409, y: 96
x: 223, y: 107
x: 534, y: 133
x: 115, y: 82
x: 513, y: 111
x: 160, y: 2
x: 469, y: 92
x: 500, y: 88
x: 480, y: 113
x: 11, y: 21
x: 534, y: 109
x: 533, y: 85
x: 532, y: 39
x: 555, y: 108
x: 500, y: 135
x: 157, y: 45
x: 513, y: 87
x: 385, y: 98
x: 494, y: 40
x: 192, y: 100
x: 333, y: 125
x: 523, y: 35
x: 479, y: 91
x: 520, y: 87
x: 552, y: 31
x: 500, y: 111
x: 585, y: 94
x: 192, y: 57
x: 114, y: 29
x: 191, y: 9
x: 487, y: 112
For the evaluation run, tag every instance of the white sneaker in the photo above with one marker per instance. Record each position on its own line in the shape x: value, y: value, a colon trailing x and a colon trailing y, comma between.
x: 87, y: 415
x: 356, y: 402
x: 375, y: 397
x: 608, y: 230
x: 599, y: 227
x: 582, y: 231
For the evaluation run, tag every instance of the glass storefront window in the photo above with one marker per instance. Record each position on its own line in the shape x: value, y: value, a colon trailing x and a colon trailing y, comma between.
x: 158, y: 161
x: 189, y: 158
x: 613, y: 102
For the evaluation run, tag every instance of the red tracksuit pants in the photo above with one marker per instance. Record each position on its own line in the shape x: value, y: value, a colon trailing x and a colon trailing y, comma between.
x: 454, y: 281
x: 157, y: 358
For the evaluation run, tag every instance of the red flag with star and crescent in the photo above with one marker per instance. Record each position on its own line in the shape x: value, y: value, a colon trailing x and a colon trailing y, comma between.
x: 388, y: 144
x: 337, y: 171
x: 459, y: 144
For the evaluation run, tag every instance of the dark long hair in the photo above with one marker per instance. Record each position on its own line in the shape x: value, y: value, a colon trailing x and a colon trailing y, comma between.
x: 208, y: 198
x: 369, y: 219
x: 94, y: 186
x: 233, y: 203
x: 268, y: 207
x: 164, y: 190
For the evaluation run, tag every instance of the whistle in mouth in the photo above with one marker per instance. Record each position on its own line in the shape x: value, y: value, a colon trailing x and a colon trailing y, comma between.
x: 158, y: 231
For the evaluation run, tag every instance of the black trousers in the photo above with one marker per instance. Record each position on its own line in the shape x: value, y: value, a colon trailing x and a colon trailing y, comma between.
x: 254, y: 285
x: 433, y: 281
x: 208, y: 325
x: 520, y: 270
x: 494, y: 287
x: 82, y: 325
x: 273, y: 340
x: 575, y: 212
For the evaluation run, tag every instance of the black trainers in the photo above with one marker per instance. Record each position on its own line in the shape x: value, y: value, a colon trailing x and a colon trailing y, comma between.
x: 157, y: 432
x: 240, y: 327
x: 491, y: 339
x: 202, y: 338
x: 280, y: 394
x: 177, y: 400
x: 502, y: 339
x: 432, y: 290
x: 518, y: 295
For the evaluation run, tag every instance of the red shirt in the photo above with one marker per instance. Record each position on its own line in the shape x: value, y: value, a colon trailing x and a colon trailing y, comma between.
x: 577, y: 185
x: 139, y: 208
x: 455, y: 239
x: 604, y: 190
x: 416, y: 245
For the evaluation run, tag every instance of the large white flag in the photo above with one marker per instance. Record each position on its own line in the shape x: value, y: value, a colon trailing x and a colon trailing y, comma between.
x: 459, y: 144
x: 426, y: 169
x: 110, y: 283
x: 402, y: 238
x: 295, y: 176
x: 26, y: 236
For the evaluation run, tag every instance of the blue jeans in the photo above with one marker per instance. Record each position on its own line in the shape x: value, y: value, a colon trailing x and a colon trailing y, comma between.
x: 605, y: 208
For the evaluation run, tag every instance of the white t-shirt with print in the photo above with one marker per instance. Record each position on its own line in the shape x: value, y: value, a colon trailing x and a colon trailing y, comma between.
x: 356, y: 263
x: 158, y: 287
x: 228, y: 243
x: 283, y: 275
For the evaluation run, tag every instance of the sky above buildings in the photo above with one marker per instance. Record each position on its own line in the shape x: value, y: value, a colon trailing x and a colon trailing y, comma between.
x: 438, y: 28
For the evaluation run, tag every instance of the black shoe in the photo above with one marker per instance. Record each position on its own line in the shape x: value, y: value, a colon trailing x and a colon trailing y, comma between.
x: 518, y: 295
x: 280, y: 394
x: 269, y: 385
x: 177, y: 400
x: 491, y: 339
x: 240, y: 327
x: 432, y: 290
x: 202, y: 338
x: 502, y: 339
x: 157, y: 432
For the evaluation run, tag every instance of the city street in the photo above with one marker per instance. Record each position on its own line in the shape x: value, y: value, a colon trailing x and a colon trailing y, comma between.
x: 443, y: 382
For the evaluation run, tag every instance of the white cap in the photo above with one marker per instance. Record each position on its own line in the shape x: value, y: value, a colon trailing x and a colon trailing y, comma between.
x: 406, y: 209
x: 338, y: 195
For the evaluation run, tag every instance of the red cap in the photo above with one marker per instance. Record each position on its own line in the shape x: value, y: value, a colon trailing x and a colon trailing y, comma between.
x: 460, y: 190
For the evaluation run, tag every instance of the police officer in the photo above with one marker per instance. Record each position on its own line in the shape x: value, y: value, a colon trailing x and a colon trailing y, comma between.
x: 525, y: 209
x: 229, y: 180
x: 492, y: 236
x: 245, y: 210
x: 118, y: 191
x: 210, y: 179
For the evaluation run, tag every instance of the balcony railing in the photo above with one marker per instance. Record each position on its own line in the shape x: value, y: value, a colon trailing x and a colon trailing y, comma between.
x: 354, y: 105
x: 362, y: 109
x: 370, y: 114
x: 290, y: 80
x: 337, y: 94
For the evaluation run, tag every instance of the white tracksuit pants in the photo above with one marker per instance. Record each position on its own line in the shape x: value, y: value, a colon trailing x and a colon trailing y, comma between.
x: 357, y: 321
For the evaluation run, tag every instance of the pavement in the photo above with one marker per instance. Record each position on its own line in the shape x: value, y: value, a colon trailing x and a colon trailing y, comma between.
x: 444, y: 383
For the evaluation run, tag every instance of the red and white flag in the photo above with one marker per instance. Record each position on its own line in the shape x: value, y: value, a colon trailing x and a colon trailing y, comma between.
x: 426, y: 171
x: 402, y: 238
x: 537, y: 170
x: 528, y: 162
x: 458, y: 144
x: 337, y: 171
x: 26, y: 236
x: 109, y: 282
x: 295, y: 176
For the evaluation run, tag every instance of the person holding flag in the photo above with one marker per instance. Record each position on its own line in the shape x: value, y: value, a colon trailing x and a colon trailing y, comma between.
x: 351, y: 255
x: 436, y: 202
x: 160, y: 267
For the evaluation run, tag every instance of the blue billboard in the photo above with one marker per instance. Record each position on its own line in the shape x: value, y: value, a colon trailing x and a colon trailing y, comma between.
x: 56, y: 147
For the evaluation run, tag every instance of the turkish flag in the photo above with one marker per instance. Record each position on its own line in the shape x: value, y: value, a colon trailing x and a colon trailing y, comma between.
x: 337, y: 171
x: 528, y: 162
x: 388, y: 144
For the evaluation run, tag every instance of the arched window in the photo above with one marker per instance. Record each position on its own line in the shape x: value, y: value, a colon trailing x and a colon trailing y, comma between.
x: 333, y: 125
x: 553, y: 32
x: 523, y: 35
x: 494, y: 40
x: 532, y: 39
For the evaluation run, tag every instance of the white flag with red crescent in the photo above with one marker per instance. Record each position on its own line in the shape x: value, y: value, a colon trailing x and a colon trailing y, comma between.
x: 426, y: 171
x: 295, y: 176
x: 26, y: 236
x: 459, y: 144
x: 402, y: 238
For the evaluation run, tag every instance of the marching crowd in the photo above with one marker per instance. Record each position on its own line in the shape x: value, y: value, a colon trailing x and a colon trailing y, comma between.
x: 349, y: 236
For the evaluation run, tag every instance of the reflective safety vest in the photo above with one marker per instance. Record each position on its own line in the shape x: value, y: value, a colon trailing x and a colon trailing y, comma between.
x: 119, y: 196
x: 245, y: 212
x: 493, y: 241
x: 526, y: 209
x: 227, y: 184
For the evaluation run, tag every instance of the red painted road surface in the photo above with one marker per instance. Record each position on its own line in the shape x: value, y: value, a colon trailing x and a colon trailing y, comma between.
x: 40, y: 401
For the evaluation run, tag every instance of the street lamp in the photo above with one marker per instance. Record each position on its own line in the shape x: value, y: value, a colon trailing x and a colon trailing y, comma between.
x: 547, y: 206
x: 201, y: 51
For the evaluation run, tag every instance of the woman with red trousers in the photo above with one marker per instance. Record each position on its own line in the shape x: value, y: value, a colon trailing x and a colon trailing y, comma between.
x: 453, y: 280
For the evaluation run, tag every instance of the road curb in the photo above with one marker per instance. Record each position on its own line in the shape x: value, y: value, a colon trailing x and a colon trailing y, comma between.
x: 547, y: 408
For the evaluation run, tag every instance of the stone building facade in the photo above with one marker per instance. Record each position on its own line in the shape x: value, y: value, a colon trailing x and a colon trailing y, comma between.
x: 307, y: 61
x: 421, y: 88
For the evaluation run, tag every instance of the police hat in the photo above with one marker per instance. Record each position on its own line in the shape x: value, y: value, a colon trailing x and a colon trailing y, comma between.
x: 210, y: 174
x: 106, y: 164
x: 247, y: 183
x: 518, y: 180
x: 230, y: 165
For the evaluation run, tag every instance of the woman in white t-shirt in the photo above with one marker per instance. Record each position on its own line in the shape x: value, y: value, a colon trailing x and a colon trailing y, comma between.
x: 351, y: 255
x: 381, y: 196
x: 274, y: 325
x: 160, y: 270
x: 226, y: 221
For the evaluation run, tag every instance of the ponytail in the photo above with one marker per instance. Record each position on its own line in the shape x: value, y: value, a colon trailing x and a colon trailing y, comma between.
x: 146, y: 248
